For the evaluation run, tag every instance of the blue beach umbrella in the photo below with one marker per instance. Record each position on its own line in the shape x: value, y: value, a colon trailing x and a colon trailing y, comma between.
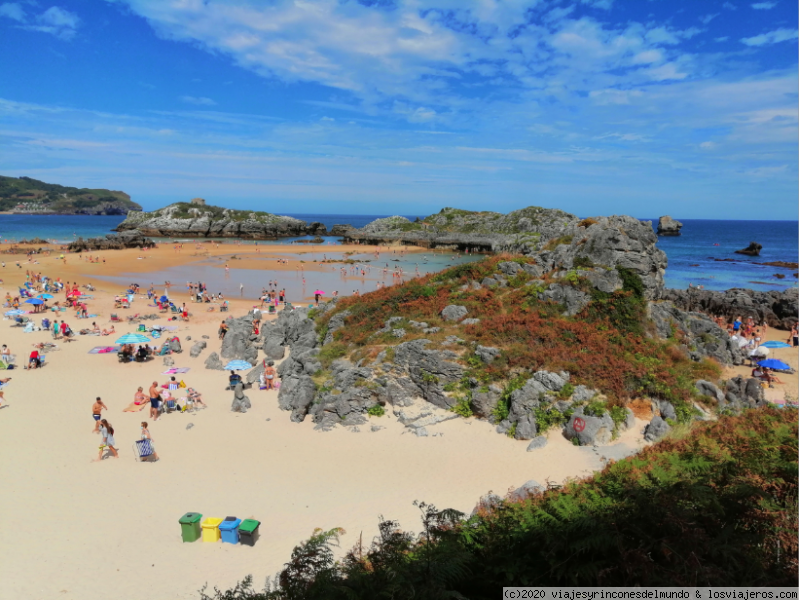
x: 133, y: 338
x: 775, y: 344
x: 34, y: 301
x: 773, y: 363
x: 46, y: 296
x: 238, y: 365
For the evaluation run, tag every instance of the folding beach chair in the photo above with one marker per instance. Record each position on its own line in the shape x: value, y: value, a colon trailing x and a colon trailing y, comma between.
x: 115, y: 318
x: 143, y: 449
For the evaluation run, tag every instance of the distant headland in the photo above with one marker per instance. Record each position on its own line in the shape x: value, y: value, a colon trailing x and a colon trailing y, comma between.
x: 24, y: 195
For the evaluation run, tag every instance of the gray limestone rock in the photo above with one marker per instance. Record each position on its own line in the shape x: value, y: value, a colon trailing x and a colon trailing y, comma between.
x: 605, y: 281
x: 656, y: 429
x: 526, y: 428
x: 590, y: 430
x: 668, y: 226
x: 572, y: 300
x: 453, y: 312
x: 466, y: 322
x: 174, y: 345
x: 487, y: 353
x: 169, y: 361
x: 214, y: 362
x: 582, y: 393
x: 536, y: 443
x: 484, y: 403
x: 553, y: 382
x: 296, y: 394
x: 529, y: 488
x: 667, y: 410
x: 197, y: 348
x: 709, y: 389
x: 241, y: 403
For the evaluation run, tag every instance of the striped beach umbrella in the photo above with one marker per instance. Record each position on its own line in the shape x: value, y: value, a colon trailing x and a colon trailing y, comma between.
x: 133, y: 338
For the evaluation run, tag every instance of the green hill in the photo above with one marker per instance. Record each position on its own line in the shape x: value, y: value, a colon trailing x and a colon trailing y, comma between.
x: 26, y: 195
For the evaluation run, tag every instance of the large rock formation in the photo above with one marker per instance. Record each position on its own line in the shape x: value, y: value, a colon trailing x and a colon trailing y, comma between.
x: 112, y: 241
x: 778, y: 309
x: 195, y: 219
x: 753, y: 249
x: 668, y: 226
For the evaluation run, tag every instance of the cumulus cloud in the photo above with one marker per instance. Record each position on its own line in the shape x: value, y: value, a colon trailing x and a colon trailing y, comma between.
x: 772, y: 37
x: 12, y: 10
x: 56, y: 21
x: 764, y: 5
x: 198, y: 100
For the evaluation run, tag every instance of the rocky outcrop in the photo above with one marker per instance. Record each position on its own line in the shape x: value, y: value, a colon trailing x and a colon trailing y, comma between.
x: 241, y: 403
x: 741, y: 392
x: 778, y: 309
x: 753, y: 249
x: 342, y: 230
x: 700, y: 334
x: 112, y: 241
x: 668, y: 226
x: 204, y: 221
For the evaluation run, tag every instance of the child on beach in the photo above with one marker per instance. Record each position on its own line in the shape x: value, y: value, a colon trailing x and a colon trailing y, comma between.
x: 108, y: 439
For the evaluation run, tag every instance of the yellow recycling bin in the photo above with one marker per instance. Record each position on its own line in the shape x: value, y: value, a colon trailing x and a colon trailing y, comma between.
x: 211, y: 529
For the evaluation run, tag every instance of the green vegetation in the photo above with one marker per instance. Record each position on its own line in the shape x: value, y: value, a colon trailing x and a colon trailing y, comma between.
x: 716, y: 506
x: 40, y: 196
x: 463, y: 406
x: 376, y: 411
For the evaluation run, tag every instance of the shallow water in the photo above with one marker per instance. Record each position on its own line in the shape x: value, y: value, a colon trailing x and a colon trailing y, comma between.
x: 300, y: 285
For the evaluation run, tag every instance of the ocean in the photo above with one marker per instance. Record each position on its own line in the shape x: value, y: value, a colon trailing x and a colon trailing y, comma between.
x: 703, y: 255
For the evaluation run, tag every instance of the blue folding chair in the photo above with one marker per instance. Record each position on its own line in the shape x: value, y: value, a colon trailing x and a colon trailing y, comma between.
x: 143, y: 449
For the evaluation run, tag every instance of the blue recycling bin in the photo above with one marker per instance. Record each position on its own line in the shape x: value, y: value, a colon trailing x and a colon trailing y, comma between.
x: 229, y: 529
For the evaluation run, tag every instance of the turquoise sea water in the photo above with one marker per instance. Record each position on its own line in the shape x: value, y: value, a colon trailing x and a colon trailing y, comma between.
x: 692, y: 256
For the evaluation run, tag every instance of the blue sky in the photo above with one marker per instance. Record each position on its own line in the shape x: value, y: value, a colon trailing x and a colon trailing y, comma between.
x: 388, y: 106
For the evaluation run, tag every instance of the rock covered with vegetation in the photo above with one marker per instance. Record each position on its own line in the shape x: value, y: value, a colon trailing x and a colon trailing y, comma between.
x: 31, y: 196
x: 557, y: 240
x: 715, y: 506
x: 489, y: 340
x: 194, y: 219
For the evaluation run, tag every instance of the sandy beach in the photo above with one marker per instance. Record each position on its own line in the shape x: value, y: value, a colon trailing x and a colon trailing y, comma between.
x: 90, y: 527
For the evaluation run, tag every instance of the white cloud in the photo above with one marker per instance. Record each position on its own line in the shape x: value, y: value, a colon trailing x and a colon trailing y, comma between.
x: 199, y: 101
x: 12, y: 10
x: 772, y: 37
x: 58, y: 22
x: 723, y: 38
x: 707, y: 145
x: 764, y: 5
x: 729, y: 6
x: 708, y: 18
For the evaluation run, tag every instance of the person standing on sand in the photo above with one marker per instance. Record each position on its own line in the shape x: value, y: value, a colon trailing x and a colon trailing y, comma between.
x: 241, y: 290
x: 108, y: 439
x: 155, y: 401
x: 97, y: 409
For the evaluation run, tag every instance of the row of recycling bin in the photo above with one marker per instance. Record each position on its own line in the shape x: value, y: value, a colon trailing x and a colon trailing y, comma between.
x: 230, y: 529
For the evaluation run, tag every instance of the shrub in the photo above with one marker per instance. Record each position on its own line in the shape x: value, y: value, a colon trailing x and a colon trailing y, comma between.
x: 595, y: 408
x: 463, y: 407
x: 376, y: 411
x: 587, y: 222
x: 330, y: 352
x: 566, y: 391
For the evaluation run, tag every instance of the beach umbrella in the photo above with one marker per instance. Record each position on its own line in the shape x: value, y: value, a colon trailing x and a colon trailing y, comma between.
x: 164, y: 299
x: 773, y: 363
x: 34, y: 301
x: 133, y: 338
x: 320, y: 292
x: 760, y: 351
x: 238, y: 365
x: 46, y: 296
x: 775, y: 344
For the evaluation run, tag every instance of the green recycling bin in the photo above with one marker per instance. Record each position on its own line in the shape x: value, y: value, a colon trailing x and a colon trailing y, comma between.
x: 190, y: 526
x: 248, y: 532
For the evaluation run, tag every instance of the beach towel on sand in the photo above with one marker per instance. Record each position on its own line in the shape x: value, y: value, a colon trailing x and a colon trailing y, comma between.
x: 133, y: 407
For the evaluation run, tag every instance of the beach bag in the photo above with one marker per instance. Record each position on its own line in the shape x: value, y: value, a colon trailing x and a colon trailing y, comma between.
x: 182, y: 384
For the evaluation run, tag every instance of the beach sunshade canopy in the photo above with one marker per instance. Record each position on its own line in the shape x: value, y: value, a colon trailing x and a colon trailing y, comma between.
x: 238, y: 365
x: 320, y: 292
x: 760, y: 351
x: 133, y: 338
x: 46, y: 296
x: 164, y: 299
x: 15, y: 312
x: 773, y: 363
x: 775, y: 344
x: 34, y: 301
